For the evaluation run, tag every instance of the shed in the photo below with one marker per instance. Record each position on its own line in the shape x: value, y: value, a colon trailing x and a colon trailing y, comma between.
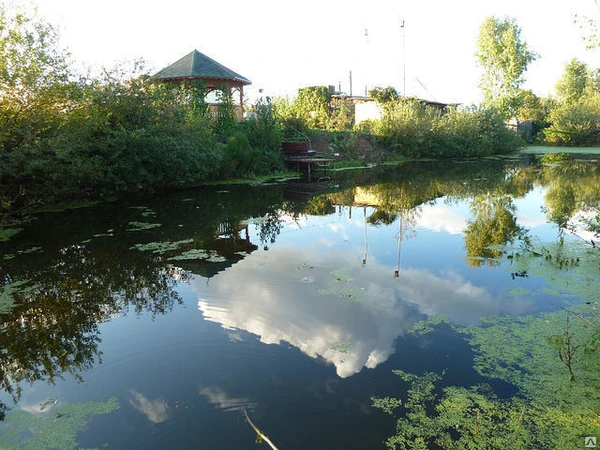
x: 198, y: 66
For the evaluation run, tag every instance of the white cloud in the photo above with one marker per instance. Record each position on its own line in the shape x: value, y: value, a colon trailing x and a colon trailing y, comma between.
x: 441, y: 218
x: 218, y: 397
x: 348, y: 315
x: 155, y: 410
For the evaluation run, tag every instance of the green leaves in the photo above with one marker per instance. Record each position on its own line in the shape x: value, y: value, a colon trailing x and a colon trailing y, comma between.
x: 504, y: 57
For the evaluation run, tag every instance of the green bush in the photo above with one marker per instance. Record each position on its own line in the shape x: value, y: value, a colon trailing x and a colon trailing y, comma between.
x: 575, y: 124
x: 413, y: 129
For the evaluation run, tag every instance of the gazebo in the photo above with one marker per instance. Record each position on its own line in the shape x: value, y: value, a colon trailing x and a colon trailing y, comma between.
x: 198, y: 66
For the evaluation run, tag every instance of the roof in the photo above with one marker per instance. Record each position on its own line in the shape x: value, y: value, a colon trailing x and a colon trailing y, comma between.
x: 198, y: 65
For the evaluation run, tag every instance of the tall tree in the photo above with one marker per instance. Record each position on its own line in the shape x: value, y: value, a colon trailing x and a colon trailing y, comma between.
x: 34, y: 76
x: 573, y: 82
x: 504, y: 57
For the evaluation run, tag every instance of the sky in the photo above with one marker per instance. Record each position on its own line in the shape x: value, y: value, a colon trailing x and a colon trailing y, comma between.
x: 282, y: 46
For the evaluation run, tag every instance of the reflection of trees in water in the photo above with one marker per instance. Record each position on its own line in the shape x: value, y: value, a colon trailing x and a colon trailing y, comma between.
x: 382, y: 217
x: 270, y: 227
x: 53, y: 329
x: 494, y: 225
x: 572, y: 187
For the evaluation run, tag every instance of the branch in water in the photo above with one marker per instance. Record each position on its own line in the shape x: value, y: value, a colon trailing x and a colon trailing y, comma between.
x: 260, y: 433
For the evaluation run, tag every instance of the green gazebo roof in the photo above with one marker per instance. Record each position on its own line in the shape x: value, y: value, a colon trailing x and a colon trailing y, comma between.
x: 198, y: 65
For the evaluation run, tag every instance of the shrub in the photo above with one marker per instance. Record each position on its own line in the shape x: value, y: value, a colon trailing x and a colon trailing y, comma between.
x: 575, y: 124
x: 413, y: 129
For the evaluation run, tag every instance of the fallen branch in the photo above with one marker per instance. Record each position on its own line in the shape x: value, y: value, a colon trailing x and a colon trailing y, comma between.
x: 260, y: 433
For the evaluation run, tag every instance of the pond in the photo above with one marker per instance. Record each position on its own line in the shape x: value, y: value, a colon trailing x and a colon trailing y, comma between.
x: 164, y: 321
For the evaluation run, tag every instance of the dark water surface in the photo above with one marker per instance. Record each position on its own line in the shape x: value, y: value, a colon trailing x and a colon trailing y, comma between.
x: 290, y: 301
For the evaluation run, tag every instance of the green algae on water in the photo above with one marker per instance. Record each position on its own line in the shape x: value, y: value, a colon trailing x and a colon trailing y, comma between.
x: 7, y: 294
x: 342, y: 347
x: 198, y: 254
x: 7, y: 233
x: 141, y: 226
x: 353, y: 292
x: 55, y: 429
x: 343, y: 274
x: 161, y: 247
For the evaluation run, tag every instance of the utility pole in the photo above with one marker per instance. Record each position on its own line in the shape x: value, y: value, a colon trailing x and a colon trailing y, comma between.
x: 403, y: 58
x: 367, y: 61
x: 350, y: 83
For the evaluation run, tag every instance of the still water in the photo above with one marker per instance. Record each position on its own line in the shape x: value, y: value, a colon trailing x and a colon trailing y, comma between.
x: 156, y: 322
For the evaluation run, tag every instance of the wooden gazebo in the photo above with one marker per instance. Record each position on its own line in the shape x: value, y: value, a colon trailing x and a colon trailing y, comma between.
x: 198, y: 66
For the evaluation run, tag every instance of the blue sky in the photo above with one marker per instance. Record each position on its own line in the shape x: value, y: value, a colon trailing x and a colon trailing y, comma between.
x: 282, y: 46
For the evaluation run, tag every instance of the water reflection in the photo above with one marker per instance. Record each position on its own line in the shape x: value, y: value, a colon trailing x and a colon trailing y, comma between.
x: 155, y: 410
x: 314, y: 271
x: 222, y: 400
x: 330, y: 306
x: 494, y: 225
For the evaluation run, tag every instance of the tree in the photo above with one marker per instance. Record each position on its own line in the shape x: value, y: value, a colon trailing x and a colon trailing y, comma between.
x: 384, y: 95
x: 571, y: 86
x: 589, y: 26
x: 532, y: 107
x: 34, y: 77
x: 312, y: 105
x: 504, y: 57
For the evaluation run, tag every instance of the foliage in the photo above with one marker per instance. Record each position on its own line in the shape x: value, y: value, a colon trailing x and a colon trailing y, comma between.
x: 494, y: 225
x: 575, y: 118
x: 504, y: 57
x: 576, y: 124
x: 34, y: 78
x: 225, y: 121
x: 341, y: 116
x: 412, y: 129
x: 571, y: 86
x: 312, y: 104
x: 263, y: 128
x: 533, y: 107
x: 67, y: 137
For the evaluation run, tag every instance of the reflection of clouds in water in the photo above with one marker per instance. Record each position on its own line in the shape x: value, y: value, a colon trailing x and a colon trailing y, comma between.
x: 351, y: 321
x: 38, y: 408
x: 579, y: 225
x: 218, y: 397
x: 441, y: 218
x: 155, y: 410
